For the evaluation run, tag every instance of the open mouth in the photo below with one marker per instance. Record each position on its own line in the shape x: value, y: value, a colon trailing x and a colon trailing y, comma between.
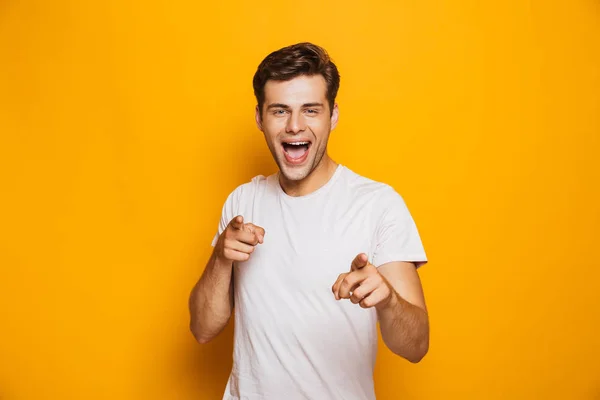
x: 296, y: 152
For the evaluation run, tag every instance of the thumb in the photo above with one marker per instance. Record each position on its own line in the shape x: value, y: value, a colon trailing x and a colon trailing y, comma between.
x: 359, y: 262
x: 237, y: 222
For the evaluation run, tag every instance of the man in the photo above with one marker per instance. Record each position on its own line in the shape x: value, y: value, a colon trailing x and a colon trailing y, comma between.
x: 311, y: 257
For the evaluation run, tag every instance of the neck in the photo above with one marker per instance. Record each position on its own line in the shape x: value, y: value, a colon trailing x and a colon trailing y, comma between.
x: 315, y: 180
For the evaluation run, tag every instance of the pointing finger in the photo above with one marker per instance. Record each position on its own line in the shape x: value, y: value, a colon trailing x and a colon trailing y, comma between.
x: 336, y: 286
x: 260, y: 232
x: 248, y: 237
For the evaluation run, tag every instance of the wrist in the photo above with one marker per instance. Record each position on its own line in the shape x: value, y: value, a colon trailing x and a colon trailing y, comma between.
x: 391, y: 304
x: 220, y: 262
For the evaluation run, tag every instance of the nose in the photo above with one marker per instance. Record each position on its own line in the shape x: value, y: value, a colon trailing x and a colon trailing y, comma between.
x: 295, y: 123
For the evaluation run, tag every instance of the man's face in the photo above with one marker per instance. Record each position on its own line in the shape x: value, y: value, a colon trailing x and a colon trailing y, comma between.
x: 296, y: 121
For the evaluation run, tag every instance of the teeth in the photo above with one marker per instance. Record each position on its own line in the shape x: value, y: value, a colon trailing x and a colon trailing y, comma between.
x: 298, y: 143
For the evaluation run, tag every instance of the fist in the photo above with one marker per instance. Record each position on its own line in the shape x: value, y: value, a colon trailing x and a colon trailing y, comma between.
x: 363, y: 285
x: 238, y: 240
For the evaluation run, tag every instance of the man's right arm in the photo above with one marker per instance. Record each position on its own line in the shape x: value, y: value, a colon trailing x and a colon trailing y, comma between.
x: 211, y: 300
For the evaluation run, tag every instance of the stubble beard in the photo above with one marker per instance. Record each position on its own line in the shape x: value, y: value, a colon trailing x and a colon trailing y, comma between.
x: 295, y: 174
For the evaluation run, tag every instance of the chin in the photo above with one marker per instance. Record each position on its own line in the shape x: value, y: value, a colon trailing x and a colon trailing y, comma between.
x: 294, y: 173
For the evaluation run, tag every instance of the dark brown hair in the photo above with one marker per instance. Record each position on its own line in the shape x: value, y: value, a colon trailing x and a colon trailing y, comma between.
x: 293, y: 61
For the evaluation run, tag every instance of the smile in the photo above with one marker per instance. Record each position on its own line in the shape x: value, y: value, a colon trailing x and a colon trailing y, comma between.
x: 296, y: 152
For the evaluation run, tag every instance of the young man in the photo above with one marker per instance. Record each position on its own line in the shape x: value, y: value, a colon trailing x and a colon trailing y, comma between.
x: 312, y: 257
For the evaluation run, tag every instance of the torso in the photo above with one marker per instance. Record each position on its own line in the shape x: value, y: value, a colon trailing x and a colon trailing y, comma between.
x: 292, y: 338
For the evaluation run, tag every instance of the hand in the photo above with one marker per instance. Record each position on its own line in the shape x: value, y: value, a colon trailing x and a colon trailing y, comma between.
x: 238, y: 240
x: 364, y: 285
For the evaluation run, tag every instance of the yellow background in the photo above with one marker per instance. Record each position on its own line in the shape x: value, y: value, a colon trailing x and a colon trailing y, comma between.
x: 125, y: 124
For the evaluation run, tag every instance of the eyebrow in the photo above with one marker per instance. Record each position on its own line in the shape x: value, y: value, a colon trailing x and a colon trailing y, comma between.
x: 286, y: 107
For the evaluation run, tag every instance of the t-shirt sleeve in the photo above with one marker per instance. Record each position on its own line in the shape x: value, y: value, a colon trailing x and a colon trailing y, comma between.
x: 397, y: 237
x: 239, y: 202
x: 227, y: 214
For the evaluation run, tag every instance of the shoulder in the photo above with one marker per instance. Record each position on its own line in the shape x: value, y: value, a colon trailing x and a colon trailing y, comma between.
x: 382, y: 200
x: 251, y: 186
x: 248, y: 190
x: 362, y: 186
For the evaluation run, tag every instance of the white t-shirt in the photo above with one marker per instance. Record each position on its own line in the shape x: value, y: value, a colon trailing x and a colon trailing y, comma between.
x: 293, y: 339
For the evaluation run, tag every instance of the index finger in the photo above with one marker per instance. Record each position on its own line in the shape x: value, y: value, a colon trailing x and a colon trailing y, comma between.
x: 259, y: 231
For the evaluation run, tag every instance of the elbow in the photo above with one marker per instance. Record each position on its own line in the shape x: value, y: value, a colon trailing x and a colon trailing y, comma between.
x: 413, y: 351
x: 420, y: 346
x: 202, y: 340
x: 200, y: 337
x: 419, y: 352
x: 417, y: 357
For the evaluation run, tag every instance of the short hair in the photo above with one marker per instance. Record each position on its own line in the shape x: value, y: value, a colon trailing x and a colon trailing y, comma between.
x: 296, y: 60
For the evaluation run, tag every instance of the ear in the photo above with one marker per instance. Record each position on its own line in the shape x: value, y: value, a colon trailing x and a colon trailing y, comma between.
x: 258, y: 118
x: 334, y: 116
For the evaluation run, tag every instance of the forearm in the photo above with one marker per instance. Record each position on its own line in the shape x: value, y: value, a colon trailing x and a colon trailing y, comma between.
x: 211, y: 300
x: 405, y: 328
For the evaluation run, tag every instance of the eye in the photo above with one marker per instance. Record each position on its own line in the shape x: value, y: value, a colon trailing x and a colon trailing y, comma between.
x: 279, y: 112
x: 312, y: 111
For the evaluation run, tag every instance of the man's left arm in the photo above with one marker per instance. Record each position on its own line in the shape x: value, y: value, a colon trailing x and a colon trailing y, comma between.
x: 403, y: 320
x: 395, y: 290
